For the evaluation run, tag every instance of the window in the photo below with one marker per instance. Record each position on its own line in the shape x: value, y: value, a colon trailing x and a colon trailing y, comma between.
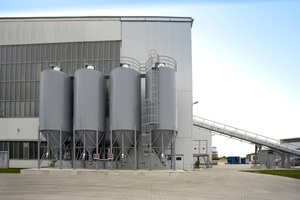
x: 20, y: 150
x: 21, y: 65
x: 178, y: 158
x: 3, y: 146
x: 26, y: 150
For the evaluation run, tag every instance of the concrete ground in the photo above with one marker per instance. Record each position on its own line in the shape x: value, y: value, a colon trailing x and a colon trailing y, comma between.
x: 220, y: 182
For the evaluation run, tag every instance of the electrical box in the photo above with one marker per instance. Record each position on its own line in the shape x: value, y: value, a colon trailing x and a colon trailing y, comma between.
x: 110, y: 156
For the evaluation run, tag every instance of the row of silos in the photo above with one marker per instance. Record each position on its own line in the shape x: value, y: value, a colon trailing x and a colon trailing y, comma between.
x: 87, y: 99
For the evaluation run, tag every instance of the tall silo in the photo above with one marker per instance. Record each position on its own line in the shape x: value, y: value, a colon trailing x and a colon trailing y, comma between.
x: 89, y: 112
x: 161, y: 103
x: 125, y: 106
x: 55, y: 116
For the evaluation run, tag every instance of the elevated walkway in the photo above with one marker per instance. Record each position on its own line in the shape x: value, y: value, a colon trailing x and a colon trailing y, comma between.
x: 245, y: 135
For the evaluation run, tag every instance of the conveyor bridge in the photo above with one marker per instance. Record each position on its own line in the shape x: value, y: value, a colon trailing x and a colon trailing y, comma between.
x: 245, y: 135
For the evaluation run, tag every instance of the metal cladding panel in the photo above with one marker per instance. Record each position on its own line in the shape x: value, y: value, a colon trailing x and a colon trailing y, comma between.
x: 55, y: 101
x: 89, y: 100
x: 125, y: 99
x: 184, y: 146
x: 171, y: 39
x: 49, y: 30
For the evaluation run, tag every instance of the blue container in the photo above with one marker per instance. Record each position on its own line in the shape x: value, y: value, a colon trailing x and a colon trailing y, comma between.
x: 243, y: 160
x: 233, y: 160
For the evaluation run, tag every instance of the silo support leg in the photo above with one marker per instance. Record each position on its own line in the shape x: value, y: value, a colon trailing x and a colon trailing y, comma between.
x: 150, y: 151
x: 97, y: 149
x: 135, y: 150
x: 39, y: 149
x: 74, y: 149
x: 60, y: 147
x: 111, y: 145
x: 173, y: 151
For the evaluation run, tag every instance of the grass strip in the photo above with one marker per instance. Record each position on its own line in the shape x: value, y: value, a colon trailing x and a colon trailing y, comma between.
x: 11, y: 170
x: 292, y: 173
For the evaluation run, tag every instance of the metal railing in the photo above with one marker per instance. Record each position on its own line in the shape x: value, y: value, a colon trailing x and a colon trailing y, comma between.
x: 155, y: 59
x: 245, y: 135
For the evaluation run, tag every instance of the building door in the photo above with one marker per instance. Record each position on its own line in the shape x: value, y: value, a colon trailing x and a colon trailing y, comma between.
x: 4, y: 159
x: 196, y: 145
x: 179, y: 161
x: 200, y: 147
x: 203, y: 147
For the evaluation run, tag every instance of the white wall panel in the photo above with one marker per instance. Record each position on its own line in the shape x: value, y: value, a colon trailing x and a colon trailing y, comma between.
x: 33, y: 31
x: 19, y: 129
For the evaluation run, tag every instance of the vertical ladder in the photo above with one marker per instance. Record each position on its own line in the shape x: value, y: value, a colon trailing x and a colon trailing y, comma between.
x: 150, y: 104
x: 153, y: 115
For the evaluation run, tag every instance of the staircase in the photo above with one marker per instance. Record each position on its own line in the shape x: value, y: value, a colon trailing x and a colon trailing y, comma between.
x: 245, y: 135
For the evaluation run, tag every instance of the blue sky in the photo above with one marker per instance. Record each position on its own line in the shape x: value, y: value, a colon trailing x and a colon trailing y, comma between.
x: 246, y: 57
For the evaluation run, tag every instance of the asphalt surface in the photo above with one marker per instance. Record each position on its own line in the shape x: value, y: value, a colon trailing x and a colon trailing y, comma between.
x: 220, y: 182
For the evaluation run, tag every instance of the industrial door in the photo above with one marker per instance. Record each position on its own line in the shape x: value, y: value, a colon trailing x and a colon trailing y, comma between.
x: 203, y: 147
x: 179, y: 161
x: 4, y: 159
x: 196, y: 145
x: 200, y: 147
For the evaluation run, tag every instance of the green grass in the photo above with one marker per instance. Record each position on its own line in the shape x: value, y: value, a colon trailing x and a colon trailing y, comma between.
x: 292, y: 173
x: 11, y: 170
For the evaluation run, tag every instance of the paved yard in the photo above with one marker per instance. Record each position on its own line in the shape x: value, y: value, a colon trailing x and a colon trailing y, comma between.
x: 221, y: 182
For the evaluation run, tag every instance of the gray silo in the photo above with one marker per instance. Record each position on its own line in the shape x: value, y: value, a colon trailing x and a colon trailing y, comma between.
x: 161, y: 103
x: 89, y: 113
x: 55, y: 117
x: 125, y: 107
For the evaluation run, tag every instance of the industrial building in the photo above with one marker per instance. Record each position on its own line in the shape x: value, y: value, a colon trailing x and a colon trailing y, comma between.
x: 108, y: 93
x: 98, y: 92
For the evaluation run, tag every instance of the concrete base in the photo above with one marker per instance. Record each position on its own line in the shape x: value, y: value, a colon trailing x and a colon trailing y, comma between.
x: 258, y: 167
x: 53, y: 171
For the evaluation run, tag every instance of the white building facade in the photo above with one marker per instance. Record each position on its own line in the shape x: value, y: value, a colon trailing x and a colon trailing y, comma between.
x: 29, y: 45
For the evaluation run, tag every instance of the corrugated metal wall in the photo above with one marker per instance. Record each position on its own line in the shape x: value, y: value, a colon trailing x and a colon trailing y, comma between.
x: 49, y: 30
x: 171, y: 39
